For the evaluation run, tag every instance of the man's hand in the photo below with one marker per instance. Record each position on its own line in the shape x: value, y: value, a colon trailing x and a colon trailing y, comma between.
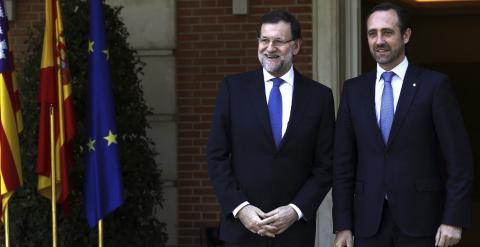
x: 250, y: 216
x: 343, y: 238
x: 448, y: 235
x: 277, y: 221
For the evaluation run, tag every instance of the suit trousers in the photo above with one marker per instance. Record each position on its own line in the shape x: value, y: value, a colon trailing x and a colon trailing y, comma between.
x: 389, y: 235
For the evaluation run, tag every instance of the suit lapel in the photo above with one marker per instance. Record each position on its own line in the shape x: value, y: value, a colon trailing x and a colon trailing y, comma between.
x: 371, y: 112
x: 407, y: 93
x: 299, y: 103
x: 259, y: 103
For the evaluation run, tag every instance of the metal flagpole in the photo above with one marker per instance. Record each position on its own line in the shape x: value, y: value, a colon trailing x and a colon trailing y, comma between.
x: 7, y: 227
x: 53, y: 176
x: 100, y: 233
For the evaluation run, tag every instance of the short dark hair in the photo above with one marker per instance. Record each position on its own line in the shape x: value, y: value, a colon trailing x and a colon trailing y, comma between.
x: 276, y: 16
x: 403, y: 15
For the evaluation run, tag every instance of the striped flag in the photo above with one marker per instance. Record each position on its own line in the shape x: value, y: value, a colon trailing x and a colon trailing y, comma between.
x: 55, y: 90
x: 103, y: 186
x: 11, y: 118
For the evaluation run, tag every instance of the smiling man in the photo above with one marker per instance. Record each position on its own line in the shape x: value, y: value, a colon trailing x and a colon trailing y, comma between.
x: 402, y: 160
x: 270, y: 144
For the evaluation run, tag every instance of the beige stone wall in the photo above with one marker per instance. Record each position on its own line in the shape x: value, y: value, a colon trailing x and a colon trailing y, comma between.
x: 151, y: 24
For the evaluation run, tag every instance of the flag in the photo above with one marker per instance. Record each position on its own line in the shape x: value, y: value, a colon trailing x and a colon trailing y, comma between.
x: 55, y: 91
x: 11, y: 118
x: 103, y: 186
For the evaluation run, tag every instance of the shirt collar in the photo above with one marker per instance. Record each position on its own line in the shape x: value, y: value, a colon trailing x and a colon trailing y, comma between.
x: 400, y: 70
x: 287, y: 77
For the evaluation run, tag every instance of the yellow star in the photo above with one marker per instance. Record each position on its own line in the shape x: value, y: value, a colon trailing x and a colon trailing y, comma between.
x: 107, y: 54
x: 91, y: 145
x: 111, y: 138
x: 90, y: 46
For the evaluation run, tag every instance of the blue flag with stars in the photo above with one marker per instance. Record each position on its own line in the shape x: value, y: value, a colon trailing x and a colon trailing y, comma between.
x: 103, y: 186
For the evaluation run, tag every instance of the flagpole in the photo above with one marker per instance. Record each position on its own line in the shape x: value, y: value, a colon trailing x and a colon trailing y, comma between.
x: 100, y: 233
x: 7, y: 227
x: 53, y: 176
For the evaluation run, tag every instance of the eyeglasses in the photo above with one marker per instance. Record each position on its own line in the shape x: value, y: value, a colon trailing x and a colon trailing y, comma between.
x: 275, y: 42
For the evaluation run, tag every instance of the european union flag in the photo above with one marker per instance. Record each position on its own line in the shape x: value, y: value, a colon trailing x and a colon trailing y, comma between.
x: 103, y: 186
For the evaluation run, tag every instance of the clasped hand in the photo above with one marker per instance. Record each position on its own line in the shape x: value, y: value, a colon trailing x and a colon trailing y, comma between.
x: 267, y: 224
x: 448, y: 235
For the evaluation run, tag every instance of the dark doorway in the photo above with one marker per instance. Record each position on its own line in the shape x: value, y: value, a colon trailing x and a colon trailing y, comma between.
x: 446, y: 38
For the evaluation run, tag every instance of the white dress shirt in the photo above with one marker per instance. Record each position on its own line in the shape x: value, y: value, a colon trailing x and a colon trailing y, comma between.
x: 397, y: 81
x: 286, y: 89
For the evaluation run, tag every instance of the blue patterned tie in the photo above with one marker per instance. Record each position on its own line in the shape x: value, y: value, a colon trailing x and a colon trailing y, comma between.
x: 275, y: 110
x: 386, y: 111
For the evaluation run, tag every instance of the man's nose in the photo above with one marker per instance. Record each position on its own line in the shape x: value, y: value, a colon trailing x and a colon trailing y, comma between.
x: 271, y: 47
x: 380, y: 39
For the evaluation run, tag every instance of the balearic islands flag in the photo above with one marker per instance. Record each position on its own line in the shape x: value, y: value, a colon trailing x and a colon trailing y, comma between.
x: 55, y: 93
x: 11, y: 120
x: 103, y: 186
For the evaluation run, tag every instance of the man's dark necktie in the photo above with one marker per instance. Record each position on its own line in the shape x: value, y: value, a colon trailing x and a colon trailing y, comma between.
x: 275, y: 110
x: 387, y: 110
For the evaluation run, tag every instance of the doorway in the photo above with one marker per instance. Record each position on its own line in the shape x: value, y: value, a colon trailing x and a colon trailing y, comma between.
x: 445, y: 38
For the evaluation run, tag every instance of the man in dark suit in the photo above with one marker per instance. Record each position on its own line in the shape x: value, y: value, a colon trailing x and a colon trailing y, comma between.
x: 402, y: 160
x: 269, y: 149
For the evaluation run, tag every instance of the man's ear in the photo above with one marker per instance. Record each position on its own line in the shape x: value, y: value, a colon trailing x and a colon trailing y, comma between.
x: 297, y: 46
x: 406, y: 35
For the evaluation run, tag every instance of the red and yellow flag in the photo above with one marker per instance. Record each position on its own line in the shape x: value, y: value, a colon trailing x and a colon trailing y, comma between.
x: 55, y: 91
x: 11, y: 118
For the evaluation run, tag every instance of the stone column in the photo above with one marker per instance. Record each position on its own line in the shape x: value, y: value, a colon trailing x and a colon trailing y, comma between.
x: 151, y: 25
x: 336, y: 52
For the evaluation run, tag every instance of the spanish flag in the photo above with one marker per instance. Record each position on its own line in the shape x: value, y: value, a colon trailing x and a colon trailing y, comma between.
x: 11, y: 119
x: 55, y: 93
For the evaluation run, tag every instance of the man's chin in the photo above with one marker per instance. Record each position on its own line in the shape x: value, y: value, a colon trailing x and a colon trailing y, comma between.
x: 382, y: 60
x: 272, y: 68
